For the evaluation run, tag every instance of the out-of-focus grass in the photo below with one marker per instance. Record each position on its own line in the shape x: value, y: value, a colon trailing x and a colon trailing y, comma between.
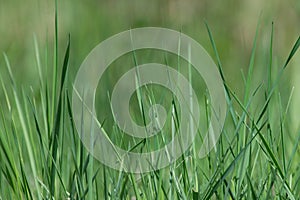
x: 91, y: 22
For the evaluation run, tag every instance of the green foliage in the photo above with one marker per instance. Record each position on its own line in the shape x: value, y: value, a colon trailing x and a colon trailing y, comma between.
x: 42, y: 156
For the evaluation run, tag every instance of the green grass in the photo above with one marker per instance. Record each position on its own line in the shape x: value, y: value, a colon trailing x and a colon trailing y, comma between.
x: 42, y: 156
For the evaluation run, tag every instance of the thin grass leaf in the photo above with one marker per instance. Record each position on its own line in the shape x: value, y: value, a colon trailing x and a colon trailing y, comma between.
x: 24, y: 128
x: 56, y: 126
x: 292, y: 53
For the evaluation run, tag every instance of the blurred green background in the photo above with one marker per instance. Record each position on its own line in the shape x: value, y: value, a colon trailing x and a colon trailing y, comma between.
x: 89, y: 22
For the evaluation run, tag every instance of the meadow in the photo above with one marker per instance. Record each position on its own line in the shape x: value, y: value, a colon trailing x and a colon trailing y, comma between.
x: 255, y: 48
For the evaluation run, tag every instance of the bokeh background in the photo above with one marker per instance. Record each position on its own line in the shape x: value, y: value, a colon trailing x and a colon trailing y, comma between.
x: 233, y: 24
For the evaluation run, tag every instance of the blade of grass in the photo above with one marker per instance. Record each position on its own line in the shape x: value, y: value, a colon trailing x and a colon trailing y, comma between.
x: 292, y: 53
x: 55, y: 61
x: 24, y: 128
x: 56, y: 126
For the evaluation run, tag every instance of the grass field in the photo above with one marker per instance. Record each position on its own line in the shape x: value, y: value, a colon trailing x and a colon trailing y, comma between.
x: 42, y: 156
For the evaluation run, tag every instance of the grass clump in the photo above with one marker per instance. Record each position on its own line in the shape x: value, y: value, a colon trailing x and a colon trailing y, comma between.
x: 42, y: 156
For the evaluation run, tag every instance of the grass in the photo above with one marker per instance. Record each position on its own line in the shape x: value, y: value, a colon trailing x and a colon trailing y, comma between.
x: 42, y: 156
